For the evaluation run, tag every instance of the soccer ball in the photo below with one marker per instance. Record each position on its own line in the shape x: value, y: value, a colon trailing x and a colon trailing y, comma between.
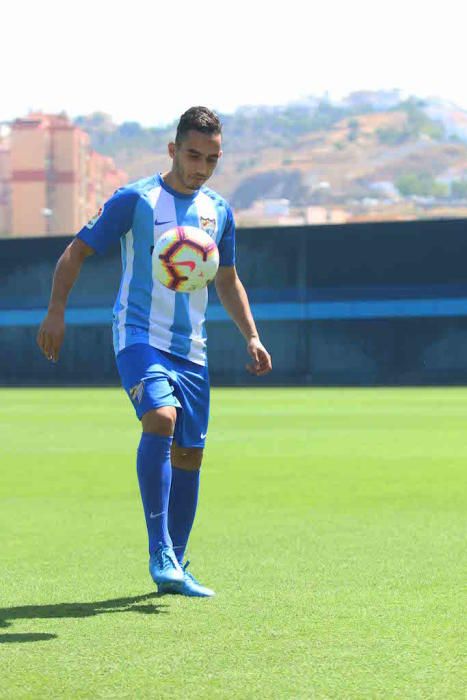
x: 185, y: 259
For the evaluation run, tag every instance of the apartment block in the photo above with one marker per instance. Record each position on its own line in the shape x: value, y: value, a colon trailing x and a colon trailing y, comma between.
x: 54, y: 180
x: 5, y: 179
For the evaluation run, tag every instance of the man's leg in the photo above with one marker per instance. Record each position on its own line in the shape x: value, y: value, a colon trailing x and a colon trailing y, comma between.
x: 191, y: 387
x: 186, y: 463
x: 146, y: 379
x: 158, y: 384
x: 155, y: 472
x: 154, y: 476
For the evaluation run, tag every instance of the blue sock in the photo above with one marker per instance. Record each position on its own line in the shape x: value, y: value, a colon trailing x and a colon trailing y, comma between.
x: 154, y: 476
x: 182, y: 507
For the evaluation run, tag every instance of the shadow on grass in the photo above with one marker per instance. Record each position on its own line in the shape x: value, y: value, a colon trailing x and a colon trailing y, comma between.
x: 75, y: 610
x: 21, y: 638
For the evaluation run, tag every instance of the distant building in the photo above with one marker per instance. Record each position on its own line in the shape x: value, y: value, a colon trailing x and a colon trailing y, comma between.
x: 453, y: 119
x: 386, y: 189
x: 51, y: 180
x: 376, y: 99
x: 5, y: 180
x: 325, y: 215
x: 266, y: 212
x: 270, y: 208
x: 276, y: 207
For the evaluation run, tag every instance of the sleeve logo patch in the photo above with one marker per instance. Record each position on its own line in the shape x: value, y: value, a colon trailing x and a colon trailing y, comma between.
x: 136, y: 392
x: 97, y: 216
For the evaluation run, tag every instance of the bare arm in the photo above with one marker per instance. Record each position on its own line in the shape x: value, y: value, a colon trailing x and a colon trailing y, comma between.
x: 234, y: 299
x: 52, y: 329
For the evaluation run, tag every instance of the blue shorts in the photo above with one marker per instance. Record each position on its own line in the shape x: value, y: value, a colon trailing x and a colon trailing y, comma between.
x: 153, y: 378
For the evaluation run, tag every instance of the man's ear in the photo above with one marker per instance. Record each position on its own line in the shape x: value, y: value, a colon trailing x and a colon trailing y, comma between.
x: 171, y: 149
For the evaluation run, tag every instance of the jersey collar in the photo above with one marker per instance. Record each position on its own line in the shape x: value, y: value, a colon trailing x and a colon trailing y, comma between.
x: 173, y: 192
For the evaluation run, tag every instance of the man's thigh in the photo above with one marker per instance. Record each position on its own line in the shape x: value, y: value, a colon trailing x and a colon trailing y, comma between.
x: 191, y: 388
x: 146, y: 377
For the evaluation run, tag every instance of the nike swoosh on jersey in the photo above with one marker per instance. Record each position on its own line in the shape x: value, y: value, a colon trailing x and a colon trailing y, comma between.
x: 162, y: 223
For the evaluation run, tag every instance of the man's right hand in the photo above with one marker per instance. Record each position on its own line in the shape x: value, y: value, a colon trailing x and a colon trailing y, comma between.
x: 50, y: 335
x: 52, y: 329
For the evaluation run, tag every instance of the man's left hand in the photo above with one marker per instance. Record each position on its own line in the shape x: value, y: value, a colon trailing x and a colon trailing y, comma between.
x: 261, y: 358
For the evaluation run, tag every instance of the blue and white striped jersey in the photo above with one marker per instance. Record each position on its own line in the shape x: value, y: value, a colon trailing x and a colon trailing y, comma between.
x: 145, y: 311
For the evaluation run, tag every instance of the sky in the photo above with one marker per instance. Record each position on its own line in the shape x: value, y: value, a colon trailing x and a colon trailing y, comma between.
x: 148, y: 61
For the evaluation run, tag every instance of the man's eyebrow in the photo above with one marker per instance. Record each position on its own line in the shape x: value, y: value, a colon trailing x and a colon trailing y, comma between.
x: 198, y: 153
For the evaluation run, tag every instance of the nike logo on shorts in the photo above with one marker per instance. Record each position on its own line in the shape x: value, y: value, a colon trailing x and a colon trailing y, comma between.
x: 203, y: 435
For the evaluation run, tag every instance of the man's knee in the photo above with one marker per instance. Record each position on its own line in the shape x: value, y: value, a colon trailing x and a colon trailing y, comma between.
x: 160, y: 420
x: 188, y: 458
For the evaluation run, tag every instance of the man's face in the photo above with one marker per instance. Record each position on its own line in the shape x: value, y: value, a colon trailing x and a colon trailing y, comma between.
x: 195, y: 158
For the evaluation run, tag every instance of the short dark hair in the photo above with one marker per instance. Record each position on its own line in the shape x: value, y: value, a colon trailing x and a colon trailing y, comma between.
x: 198, y: 119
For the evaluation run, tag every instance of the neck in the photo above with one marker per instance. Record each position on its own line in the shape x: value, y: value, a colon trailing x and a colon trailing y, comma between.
x: 171, y: 179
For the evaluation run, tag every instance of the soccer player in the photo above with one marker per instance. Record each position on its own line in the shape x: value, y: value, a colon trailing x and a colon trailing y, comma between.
x: 159, y: 335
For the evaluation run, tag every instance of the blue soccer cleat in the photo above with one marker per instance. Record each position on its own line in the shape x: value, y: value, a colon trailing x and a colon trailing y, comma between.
x: 164, y: 568
x: 189, y: 586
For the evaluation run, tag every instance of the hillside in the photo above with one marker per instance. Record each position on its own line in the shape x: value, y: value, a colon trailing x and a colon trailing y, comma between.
x: 364, y: 156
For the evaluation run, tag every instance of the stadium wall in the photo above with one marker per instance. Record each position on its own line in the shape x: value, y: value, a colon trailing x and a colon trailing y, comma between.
x: 354, y: 304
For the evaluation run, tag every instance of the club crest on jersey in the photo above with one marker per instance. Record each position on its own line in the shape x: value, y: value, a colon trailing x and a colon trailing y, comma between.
x: 97, y: 216
x: 208, y: 225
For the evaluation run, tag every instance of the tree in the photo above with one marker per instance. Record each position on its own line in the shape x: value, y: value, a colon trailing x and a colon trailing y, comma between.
x: 130, y: 130
x: 459, y: 189
x: 418, y: 122
x: 354, y: 129
x: 420, y: 184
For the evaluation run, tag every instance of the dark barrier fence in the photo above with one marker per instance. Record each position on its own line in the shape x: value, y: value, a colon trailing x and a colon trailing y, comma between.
x: 363, y: 304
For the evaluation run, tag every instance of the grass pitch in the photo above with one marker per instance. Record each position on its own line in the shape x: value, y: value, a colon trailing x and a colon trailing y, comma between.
x: 331, y: 525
